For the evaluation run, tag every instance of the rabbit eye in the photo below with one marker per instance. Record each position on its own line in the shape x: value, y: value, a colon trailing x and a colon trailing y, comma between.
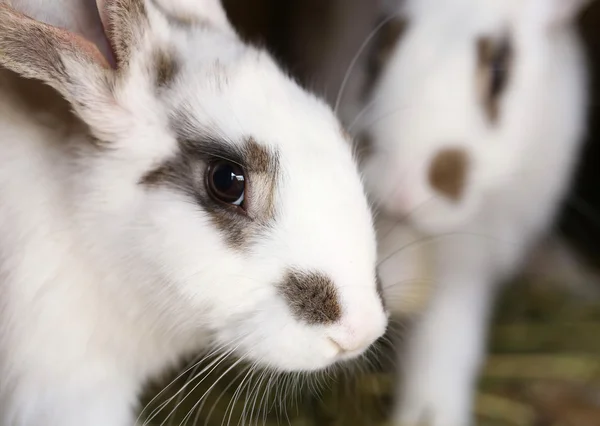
x: 494, y: 63
x: 499, y: 69
x: 226, y: 183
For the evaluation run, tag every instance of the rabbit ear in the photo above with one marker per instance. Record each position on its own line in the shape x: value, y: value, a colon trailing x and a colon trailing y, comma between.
x: 125, y: 24
x: 65, y: 61
x: 195, y: 12
x: 557, y: 12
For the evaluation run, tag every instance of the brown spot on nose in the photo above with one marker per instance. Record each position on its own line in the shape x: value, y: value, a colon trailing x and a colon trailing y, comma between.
x: 448, y: 172
x: 311, y: 296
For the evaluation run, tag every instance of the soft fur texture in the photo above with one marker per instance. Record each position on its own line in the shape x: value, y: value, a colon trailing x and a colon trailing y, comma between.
x: 114, y: 261
x: 481, y: 177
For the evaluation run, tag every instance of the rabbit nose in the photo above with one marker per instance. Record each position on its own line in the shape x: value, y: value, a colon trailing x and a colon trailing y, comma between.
x: 448, y: 172
x: 348, y: 340
x: 362, y: 325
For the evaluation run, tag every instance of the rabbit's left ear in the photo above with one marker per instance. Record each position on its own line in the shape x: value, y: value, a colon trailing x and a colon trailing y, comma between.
x: 73, y: 65
x: 64, y: 60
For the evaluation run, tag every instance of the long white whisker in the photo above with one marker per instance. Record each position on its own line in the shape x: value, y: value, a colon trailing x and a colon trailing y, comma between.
x: 355, y: 59
x: 216, y: 363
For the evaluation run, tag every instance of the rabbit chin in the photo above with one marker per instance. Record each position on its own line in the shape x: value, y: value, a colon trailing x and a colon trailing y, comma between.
x: 427, y: 212
x: 442, y: 216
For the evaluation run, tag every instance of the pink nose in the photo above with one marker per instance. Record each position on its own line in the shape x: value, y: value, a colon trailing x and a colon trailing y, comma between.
x: 357, y: 332
x: 349, y: 341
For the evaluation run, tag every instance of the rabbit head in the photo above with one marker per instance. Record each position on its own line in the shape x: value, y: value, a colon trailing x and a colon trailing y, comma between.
x: 464, y: 94
x: 220, y: 196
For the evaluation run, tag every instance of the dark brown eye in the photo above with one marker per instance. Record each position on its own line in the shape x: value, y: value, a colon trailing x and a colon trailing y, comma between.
x: 495, y: 57
x: 226, y: 182
x: 499, y: 65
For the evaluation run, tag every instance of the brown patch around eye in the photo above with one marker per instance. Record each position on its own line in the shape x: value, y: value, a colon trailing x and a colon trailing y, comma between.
x: 186, y: 174
x: 312, y: 297
x: 263, y: 165
x: 166, y: 68
x: 384, y: 42
x: 494, y: 67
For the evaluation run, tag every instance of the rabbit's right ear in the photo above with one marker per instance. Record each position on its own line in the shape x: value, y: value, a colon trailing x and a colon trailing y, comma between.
x: 65, y: 61
x: 557, y: 12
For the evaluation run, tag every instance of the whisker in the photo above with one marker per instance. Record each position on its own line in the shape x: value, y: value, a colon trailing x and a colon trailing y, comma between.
x: 216, y: 363
x: 213, y: 386
x: 231, y: 383
x: 355, y: 59
x: 193, y: 365
x: 157, y: 411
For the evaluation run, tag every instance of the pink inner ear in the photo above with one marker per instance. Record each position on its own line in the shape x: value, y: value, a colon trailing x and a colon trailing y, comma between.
x: 100, y: 9
x: 67, y: 39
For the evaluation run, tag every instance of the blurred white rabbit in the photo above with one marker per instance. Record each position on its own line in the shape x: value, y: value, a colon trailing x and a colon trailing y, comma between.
x: 472, y: 123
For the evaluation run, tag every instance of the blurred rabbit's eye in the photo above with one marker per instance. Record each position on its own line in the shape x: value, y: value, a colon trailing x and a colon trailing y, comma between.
x: 494, y: 64
x: 226, y: 182
x: 499, y: 64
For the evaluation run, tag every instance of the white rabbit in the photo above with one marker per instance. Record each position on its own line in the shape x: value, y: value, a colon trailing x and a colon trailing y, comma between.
x: 196, y: 198
x: 474, y: 125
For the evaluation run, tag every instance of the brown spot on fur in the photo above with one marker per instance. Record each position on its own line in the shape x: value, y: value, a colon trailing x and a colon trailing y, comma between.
x: 385, y: 40
x: 448, y: 172
x: 186, y: 173
x: 166, y: 68
x: 312, y: 297
x: 494, y: 66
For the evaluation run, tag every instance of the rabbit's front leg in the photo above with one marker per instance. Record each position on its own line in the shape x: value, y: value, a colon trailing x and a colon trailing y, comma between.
x: 444, y: 352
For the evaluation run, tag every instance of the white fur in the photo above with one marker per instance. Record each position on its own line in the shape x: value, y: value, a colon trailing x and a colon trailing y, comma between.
x: 105, y: 283
x: 426, y: 100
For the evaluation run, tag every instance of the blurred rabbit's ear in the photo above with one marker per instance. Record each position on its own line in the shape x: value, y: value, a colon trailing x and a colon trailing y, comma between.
x: 209, y: 12
x: 557, y: 12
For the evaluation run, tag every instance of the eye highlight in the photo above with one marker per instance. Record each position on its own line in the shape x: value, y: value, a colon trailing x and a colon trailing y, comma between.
x: 495, y: 57
x: 226, y: 183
